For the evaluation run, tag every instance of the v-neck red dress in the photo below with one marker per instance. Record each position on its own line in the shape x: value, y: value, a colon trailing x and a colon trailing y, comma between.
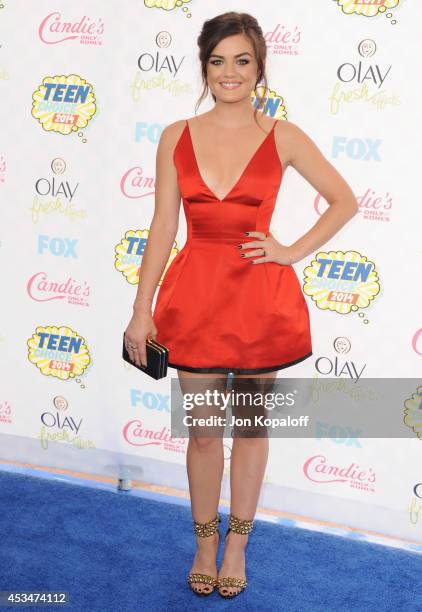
x: 215, y: 310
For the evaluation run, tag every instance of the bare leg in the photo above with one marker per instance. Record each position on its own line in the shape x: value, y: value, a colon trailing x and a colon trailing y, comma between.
x: 205, y: 465
x: 247, y: 468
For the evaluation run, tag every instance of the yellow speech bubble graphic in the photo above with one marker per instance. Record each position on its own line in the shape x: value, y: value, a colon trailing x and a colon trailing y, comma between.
x: 129, y: 253
x: 166, y: 5
x: 367, y: 8
x: 341, y: 281
x: 413, y: 412
x: 272, y: 103
x: 58, y: 351
x: 64, y: 103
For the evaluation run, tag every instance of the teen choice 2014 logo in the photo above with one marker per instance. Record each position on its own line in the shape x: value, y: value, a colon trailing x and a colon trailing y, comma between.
x: 167, y: 5
x: 64, y: 103
x: 343, y: 281
x: 58, y: 351
x: 270, y: 102
x: 413, y: 412
x: 129, y: 253
x: 367, y: 8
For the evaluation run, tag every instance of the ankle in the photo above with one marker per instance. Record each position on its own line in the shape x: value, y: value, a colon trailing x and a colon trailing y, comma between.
x: 207, y: 542
x: 236, y: 540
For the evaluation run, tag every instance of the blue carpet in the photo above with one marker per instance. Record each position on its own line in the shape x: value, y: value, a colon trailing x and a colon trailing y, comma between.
x: 116, y: 552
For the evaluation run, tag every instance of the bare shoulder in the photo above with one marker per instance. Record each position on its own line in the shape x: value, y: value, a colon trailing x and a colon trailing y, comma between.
x: 303, y: 154
x: 167, y: 193
x: 291, y: 141
x: 171, y: 134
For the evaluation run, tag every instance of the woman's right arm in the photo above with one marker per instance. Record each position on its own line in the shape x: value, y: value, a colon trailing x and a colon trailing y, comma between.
x: 162, y: 232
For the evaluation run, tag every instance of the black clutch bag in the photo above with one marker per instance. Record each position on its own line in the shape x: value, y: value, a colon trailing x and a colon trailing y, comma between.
x: 157, y: 358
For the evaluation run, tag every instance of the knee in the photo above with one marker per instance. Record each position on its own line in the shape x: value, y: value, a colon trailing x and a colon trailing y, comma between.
x: 207, y: 445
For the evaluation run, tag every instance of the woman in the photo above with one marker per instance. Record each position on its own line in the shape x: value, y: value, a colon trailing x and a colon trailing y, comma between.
x: 215, y: 311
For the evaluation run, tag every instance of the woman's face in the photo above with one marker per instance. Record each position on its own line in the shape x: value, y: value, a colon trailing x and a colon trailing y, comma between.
x: 232, y: 68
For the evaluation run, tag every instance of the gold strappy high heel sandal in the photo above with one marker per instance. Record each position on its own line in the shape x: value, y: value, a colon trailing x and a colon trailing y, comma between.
x: 238, y: 526
x: 204, y: 530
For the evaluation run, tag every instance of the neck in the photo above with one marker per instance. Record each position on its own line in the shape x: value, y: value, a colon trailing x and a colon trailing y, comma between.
x: 233, y: 114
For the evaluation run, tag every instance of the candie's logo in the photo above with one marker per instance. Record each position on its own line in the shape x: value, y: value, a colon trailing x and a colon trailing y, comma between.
x: 5, y: 412
x: 136, y: 434
x: 129, y: 253
x: 55, y: 29
x: 2, y: 169
x: 373, y: 205
x: 64, y: 103
x: 319, y: 470
x: 417, y: 342
x: 341, y: 281
x: 58, y: 351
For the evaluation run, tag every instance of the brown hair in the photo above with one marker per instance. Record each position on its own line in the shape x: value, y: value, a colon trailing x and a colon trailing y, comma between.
x: 228, y: 24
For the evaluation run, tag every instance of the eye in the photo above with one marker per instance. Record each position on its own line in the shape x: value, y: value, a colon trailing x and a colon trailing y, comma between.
x: 216, y: 62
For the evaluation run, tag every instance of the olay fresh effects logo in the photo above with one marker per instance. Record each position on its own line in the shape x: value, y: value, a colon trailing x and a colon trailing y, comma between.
x: 341, y: 281
x: 64, y: 104
x: 159, y: 69
x: 60, y: 426
x: 415, y: 511
x: 129, y: 253
x: 413, y: 412
x: 373, y: 205
x: 360, y: 82
x: 41, y: 287
x: 5, y: 412
x: 318, y: 470
x: 364, y: 71
x: 369, y: 8
x: 338, y: 366
x: 160, y: 61
x: 55, y: 195
x: 58, y: 351
x: 136, y: 434
x: 282, y: 40
x: 55, y: 29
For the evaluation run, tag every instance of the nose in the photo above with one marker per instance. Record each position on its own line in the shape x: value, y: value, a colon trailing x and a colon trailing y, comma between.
x: 230, y: 75
x: 230, y: 68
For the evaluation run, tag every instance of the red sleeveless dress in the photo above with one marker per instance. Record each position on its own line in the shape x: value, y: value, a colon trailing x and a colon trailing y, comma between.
x: 215, y: 310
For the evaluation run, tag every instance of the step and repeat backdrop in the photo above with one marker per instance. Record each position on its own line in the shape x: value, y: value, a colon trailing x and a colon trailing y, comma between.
x: 86, y: 89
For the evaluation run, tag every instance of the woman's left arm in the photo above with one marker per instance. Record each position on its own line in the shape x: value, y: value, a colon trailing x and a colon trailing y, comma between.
x: 307, y: 159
